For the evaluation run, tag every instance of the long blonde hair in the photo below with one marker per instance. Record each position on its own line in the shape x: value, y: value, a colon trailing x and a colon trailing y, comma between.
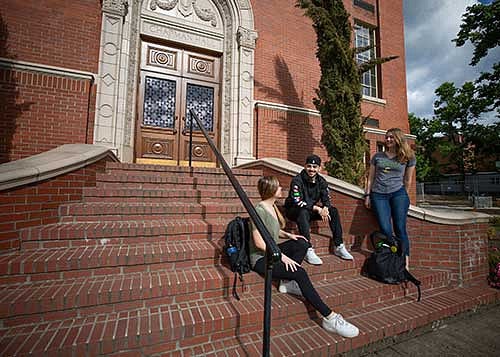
x: 267, y: 186
x: 404, y: 152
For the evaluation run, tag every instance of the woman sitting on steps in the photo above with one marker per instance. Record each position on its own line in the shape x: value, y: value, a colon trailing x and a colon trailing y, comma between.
x: 295, y: 278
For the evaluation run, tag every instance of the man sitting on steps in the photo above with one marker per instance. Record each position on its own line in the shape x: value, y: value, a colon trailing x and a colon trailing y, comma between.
x: 307, y: 189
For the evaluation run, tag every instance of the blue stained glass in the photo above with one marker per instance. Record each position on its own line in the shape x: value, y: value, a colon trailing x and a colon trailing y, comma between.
x: 159, y: 102
x: 201, y: 100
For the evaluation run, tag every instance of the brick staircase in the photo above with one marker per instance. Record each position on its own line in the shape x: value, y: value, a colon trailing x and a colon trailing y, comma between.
x: 136, y: 269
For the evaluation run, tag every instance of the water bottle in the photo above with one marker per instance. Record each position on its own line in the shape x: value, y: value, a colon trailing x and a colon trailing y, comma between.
x: 231, y: 250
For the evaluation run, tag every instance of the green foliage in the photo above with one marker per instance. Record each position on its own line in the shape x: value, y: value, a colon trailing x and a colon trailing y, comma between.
x: 339, y: 93
x: 480, y: 25
x: 455, y: 116
x: 426, y: 143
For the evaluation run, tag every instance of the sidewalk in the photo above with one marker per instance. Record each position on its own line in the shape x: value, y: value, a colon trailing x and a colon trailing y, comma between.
x: 469, y: 334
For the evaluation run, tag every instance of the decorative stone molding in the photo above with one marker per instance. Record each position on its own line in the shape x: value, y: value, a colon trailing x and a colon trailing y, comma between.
x: 246, y: 37
x: 117, y: 7
x: 205, y: 12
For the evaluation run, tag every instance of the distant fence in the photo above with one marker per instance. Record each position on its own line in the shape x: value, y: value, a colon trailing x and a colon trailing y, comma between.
x: 480, y: 188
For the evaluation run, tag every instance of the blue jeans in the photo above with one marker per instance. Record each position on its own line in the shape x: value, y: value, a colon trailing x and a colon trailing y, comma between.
x: 391, y: 209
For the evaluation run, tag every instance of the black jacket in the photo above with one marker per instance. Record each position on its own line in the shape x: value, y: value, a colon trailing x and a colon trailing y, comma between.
x: 305, y: 194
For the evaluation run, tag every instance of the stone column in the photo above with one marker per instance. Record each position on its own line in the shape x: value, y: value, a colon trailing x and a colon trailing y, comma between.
x: 109, y: 121
x: 243, y: 132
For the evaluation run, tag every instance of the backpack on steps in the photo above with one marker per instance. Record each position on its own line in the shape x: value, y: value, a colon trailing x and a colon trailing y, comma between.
x: 387, y: 264
x: 236, y: 249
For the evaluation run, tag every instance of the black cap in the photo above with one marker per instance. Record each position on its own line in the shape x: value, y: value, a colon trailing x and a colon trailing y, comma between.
x: 313, y: 159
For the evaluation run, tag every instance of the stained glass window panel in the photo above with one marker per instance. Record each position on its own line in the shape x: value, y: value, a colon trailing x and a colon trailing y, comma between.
x: 159, y: 102
x: 201, y: 100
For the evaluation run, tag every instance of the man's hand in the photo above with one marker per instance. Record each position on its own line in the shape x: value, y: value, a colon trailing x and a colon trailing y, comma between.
x: 325, y: 214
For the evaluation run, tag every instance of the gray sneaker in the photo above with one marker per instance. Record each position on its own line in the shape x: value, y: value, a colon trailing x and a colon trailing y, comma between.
x: 342, y: 252
x: 289, y: 287
x: 312, y: 257
x: 338, y: 325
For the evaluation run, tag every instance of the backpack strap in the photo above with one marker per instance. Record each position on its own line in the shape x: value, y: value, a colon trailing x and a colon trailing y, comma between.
x: 235, y: 293
x: 415, y: 281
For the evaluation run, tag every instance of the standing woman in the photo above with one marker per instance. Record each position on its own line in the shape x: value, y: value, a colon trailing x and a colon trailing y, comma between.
x: 295, y: 278
x: 389, y: 179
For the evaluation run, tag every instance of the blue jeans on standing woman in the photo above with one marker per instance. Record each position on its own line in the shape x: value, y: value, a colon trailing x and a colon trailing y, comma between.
x: 391, y: 210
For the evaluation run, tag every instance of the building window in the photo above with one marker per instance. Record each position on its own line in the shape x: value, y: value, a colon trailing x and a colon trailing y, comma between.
x: 365, y: 37
x: 374, y: 123
x: 380, y: 147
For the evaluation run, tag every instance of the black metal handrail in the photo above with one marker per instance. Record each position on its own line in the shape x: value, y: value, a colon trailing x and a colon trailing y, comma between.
x: 273, y: 253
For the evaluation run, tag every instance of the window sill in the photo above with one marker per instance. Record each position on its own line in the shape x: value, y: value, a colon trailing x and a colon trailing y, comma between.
x: 374, y: 100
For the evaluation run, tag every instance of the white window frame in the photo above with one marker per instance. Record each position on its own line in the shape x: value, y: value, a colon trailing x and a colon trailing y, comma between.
x: 366, y: 36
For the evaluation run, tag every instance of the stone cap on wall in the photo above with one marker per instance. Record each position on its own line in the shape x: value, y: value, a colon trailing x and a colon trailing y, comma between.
x: 442, y: 217
x: 55, y: 162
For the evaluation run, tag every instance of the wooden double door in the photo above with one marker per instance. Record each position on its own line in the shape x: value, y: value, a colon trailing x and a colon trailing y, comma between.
x: 173, y: 81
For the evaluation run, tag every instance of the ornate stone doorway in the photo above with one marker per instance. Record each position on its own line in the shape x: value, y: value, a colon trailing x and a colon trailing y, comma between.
x: 222, y: 29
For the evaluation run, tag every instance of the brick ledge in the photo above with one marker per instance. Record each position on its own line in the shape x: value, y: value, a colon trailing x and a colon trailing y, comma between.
x: 449, y: 218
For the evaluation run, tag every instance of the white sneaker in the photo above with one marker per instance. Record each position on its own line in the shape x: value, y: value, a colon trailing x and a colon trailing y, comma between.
x: 342, y: 252
x: 338, y: 325
x: 312, y: 258
x: 289, y: 287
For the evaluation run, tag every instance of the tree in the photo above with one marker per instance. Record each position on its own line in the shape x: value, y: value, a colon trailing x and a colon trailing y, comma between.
x: 339, y: 92
x: 457, y: 117
x: 453, y: 110
x: 426, y: 143
x: 480, y: 25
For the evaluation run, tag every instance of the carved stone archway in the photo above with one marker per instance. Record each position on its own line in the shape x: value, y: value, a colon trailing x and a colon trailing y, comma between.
x: 187, y: 22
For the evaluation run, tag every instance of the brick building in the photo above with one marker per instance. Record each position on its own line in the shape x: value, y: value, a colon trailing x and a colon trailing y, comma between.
x: 124, y: 73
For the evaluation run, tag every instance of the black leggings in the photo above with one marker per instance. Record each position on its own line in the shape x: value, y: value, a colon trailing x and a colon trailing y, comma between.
x: 303, y: 218
x: 296, y: 250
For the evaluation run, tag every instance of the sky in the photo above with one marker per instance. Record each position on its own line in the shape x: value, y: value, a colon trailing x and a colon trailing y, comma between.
x: 431, y: 57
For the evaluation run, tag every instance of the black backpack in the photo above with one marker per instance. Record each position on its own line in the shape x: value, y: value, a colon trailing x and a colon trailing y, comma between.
x: 236, y: 249
x: 387, y: 264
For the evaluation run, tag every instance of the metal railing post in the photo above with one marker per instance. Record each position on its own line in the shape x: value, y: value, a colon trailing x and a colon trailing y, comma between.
x: 191, y: 141
x: 273, y: 253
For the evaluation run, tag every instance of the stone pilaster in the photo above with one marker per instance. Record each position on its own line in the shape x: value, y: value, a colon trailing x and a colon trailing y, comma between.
x: 244, y: 122
x: 109, y: 124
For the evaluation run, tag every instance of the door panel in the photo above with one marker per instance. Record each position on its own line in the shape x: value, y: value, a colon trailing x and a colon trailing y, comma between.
x: 158, y: 118
x: 201, y: 98
x: 173, y: 81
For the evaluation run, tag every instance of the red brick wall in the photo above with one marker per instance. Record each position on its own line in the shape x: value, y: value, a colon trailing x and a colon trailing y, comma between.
x: 287, y: 135
x: 287, y: 72
x: 460, y: 249
x: 38, y: 203
x: 42, y: 111
x: 54, y: 32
